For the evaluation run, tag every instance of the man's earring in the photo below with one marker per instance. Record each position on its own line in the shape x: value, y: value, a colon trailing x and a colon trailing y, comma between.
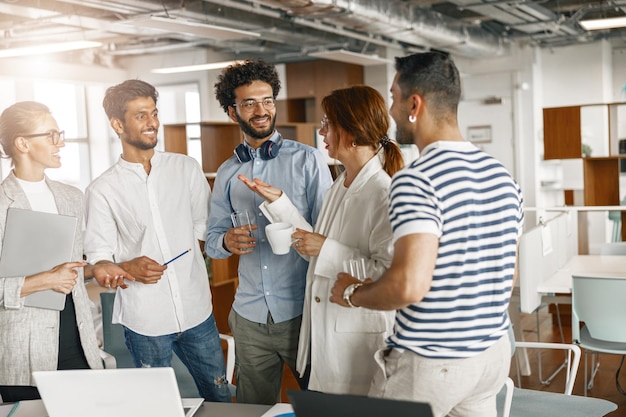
x: 412, y: 119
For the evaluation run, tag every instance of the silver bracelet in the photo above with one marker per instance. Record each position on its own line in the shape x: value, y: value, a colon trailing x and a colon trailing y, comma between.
x: 347, y: 293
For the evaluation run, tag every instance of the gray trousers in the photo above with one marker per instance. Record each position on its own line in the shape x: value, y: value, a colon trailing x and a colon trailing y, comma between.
x: 261, y: 350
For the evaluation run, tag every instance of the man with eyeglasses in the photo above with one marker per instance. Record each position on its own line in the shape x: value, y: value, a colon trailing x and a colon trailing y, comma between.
x: 266, y: 314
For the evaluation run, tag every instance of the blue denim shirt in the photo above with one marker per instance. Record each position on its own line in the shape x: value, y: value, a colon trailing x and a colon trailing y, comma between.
x: 268, y: 281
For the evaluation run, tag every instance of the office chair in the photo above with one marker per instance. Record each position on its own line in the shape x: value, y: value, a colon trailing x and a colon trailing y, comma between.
x: 616, y: 217
x: 599, y: 303
x: 115, y: 345
x: 519, y: 402
x: 613, y: 249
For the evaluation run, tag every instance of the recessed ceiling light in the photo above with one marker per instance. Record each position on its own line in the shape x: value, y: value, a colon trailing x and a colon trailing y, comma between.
x: 191, y: 68
x: 351, y: 57
x: 188, y: 27
x: 47, y: 48
x: 608, y: 23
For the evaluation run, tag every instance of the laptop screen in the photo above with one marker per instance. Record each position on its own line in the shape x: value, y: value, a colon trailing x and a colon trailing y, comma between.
x: 316, y: 404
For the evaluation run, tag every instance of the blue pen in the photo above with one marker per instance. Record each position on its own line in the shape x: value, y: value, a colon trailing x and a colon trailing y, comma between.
x: 176, y: 257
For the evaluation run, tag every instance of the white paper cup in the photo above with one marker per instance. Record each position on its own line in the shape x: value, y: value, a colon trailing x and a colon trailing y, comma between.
x: 279, y: 236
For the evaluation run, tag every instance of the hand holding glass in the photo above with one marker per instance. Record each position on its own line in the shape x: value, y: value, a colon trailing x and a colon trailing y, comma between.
x: 241, y: 218
x: 356, y: 268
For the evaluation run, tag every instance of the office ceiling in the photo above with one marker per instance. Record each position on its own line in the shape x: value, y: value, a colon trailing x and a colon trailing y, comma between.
x: 290, y: 30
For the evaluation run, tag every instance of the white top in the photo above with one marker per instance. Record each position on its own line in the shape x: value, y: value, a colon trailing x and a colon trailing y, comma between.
x: 39, y: 195
x: 131, y: 214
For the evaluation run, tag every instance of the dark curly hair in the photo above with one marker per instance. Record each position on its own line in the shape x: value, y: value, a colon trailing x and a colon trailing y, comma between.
x: 244, y: 73
x: 116, y: 97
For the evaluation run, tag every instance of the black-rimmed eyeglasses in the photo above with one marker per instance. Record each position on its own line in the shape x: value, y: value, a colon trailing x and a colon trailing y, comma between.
x: 54, y: 135
x: 250, y: 104
x: 324, y: 123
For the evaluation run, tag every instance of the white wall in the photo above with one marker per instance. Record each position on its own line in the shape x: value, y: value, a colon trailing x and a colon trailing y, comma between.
x: 577, y: 75
x: 475, y: 112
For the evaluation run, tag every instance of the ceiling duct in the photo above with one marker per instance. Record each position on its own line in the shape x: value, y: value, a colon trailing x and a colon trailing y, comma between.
x: 524, y: 16
x: 397, y: 21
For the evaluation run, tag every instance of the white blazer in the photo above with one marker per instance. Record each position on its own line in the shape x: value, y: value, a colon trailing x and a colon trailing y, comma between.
x: 340, y: 342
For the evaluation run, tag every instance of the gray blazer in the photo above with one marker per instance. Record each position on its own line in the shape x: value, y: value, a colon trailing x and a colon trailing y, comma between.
x: 29, y: 337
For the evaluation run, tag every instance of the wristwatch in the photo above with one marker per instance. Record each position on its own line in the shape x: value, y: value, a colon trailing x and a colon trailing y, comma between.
x: 347, y: 293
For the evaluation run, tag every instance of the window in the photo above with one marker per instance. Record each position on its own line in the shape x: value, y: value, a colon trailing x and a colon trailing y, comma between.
x: 7, y: 98
x: 181, y: 104
x: 67, y: 104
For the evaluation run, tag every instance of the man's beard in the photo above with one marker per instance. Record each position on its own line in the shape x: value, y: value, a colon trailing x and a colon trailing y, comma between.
x: 137, y: 143
x: 254, y: 133
x: 404, y: 136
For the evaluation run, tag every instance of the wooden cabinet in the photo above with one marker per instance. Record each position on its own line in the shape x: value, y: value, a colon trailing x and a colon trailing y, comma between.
x: 591, y: 132
x: 309, y: 82
x: 562, y: 133
x: 601, y: 181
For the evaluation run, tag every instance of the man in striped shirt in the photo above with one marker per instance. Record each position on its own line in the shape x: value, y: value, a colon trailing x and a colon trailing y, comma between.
x: 456, y: 215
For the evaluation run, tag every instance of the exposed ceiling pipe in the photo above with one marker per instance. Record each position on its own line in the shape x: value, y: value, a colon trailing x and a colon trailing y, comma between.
x: 315, y: 24
x: 398, y: 21
x: 153, y: 48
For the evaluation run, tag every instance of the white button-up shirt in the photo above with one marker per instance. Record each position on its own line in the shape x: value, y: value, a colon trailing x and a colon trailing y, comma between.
x: 131, y: 214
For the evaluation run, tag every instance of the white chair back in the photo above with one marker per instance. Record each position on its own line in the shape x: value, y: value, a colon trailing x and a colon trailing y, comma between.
x: 613, y: 249
x: 599, y: 302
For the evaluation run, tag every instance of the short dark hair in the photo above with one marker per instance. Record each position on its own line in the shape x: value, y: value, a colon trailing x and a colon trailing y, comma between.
x: 244, y: 73
x: 20, y: 119
x: 116, y: 97
x: 433, y: 76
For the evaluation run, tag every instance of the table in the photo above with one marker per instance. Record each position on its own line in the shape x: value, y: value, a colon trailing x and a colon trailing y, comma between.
x: 35, y: 409
x: 231, y: 410
x: 601, y: 265
x: 559, y: 282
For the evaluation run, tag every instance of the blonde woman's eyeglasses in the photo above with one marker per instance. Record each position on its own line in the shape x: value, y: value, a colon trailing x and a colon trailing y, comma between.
x: 54, y: 135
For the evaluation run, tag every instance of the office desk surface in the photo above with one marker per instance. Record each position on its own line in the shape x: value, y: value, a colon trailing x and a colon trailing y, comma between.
x: 36, y: 409
x: 601, y: 265
x: 231, y: 410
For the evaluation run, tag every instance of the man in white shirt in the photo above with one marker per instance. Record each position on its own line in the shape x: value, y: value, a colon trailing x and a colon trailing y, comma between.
x: 141, y: 213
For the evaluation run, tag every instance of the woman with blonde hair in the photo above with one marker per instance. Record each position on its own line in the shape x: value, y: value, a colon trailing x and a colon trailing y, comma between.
x: 40, y: 339
x: 339, y: 343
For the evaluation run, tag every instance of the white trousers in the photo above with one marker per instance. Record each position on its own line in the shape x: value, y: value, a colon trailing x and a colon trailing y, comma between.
x: 454, y: 387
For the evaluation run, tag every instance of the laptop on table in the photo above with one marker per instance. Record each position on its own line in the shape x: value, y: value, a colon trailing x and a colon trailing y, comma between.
x: 319, y: 404
x: 123, y: 392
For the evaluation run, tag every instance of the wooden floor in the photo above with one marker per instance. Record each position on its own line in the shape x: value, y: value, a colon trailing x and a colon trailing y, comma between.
x: 604, y: 383
x: 604, y: 386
